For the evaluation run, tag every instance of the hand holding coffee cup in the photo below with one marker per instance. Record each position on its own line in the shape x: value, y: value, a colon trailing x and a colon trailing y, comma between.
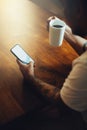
x: 56, y: 32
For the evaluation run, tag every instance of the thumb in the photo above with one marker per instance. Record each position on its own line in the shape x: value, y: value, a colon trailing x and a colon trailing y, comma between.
x: 32, y: 64
x: 20, y: 63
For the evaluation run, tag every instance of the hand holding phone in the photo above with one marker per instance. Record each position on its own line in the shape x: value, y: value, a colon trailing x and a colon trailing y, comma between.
x: 19, y: 53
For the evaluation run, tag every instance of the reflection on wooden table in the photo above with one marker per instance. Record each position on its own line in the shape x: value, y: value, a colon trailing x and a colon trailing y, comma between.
x: 23, y: 22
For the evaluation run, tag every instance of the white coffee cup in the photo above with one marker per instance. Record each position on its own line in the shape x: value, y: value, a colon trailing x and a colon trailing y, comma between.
x: 56, y: 32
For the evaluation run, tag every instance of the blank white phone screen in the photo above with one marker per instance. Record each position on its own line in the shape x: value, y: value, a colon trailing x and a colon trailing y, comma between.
x: 21, y: 54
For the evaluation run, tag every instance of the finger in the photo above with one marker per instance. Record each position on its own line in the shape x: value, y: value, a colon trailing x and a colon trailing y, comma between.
x: 48, y: 21
x: 20, y: 63
x: 32, y: 64
x: 52, y: 17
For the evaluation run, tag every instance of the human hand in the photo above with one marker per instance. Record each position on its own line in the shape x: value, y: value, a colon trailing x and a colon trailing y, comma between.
x: 48, y: 21
x: 26, y: 69
x: 67, y: 29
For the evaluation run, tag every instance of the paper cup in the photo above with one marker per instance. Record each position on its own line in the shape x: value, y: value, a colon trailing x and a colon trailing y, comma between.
x: 56, y: 32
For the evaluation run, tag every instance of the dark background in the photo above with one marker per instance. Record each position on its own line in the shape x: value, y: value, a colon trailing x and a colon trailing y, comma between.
x: 73, y: 11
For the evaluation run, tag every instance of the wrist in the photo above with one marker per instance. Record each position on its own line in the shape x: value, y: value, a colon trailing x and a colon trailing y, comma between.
x: 84, y: 46
x: 29, y: 80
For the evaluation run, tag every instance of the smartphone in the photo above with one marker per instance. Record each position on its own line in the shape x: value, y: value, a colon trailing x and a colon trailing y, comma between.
x: 19, y: 53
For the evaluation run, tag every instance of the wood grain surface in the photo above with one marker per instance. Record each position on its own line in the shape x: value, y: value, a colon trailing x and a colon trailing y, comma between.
x: 23, y: 22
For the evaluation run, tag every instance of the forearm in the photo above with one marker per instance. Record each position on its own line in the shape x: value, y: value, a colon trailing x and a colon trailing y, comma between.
x: 75, y: 41
x: 49, y: 92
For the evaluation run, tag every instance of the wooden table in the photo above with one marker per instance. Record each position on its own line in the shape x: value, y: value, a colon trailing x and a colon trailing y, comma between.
x: 23, y: 22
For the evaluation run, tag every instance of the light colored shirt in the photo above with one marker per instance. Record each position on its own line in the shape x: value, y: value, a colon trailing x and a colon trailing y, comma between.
x: 74, y: 90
